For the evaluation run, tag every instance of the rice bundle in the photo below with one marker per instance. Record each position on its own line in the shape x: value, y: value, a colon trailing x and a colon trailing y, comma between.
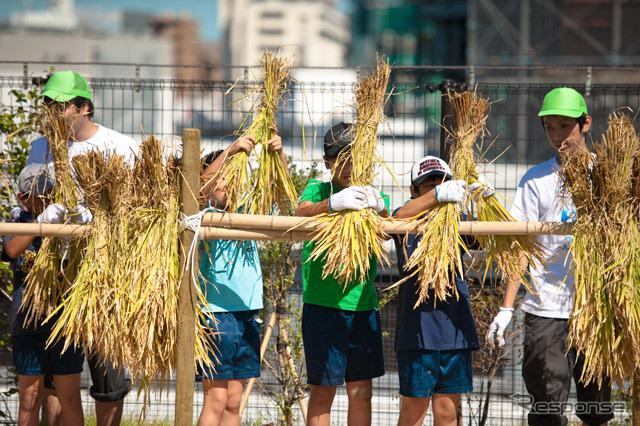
x: 351, y: 237
x: 123, y: 302
x: 271, y: 184
x: 507, y: 251
x: 45, y: 282
x: 605, y: 323
x: 437, y: 257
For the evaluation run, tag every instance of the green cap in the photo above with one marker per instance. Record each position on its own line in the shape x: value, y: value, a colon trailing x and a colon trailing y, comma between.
x: 66, y: 85
x: 563, y: 101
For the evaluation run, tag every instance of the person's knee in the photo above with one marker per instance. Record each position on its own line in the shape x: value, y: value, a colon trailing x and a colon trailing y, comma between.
x: 360, y: 392
x: 445, y: 408
x: 444, y: 415
x: 233, y: 404
x: 414, y: 408
x: 29, y: 401
x: 323, y: 395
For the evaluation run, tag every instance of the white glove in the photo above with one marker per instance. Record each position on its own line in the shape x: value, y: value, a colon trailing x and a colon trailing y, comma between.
x: 15, y: 213
x: 54, y: 213
x: 451, y: 191
x: 374, y: 200
x: 495, y: 334
x: 81, y: 215
x: 351, y: 198
x: 487, y: 189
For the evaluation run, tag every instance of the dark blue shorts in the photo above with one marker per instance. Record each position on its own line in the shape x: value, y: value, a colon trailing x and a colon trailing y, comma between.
x: 341, y: 346
x: 423, y: 372
x: 32, y: 359
x: 236, y: 339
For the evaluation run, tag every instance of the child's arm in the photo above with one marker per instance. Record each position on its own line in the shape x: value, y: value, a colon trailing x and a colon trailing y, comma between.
x: 17, y: 245
x: 307, y: 208
x: 417, y: 206
x: 495, y: 334
x: 209, y: 186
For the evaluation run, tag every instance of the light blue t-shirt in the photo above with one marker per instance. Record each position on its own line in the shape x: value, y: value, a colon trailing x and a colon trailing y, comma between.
x: 231, y: 277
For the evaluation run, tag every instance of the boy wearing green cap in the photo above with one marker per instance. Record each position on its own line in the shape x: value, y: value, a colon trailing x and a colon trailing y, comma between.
x: 548, y: 364
x: 70, y: 91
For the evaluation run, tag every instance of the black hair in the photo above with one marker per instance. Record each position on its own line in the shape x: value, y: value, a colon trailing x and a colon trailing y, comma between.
x: 582, y: 120
x: 80, y: 103
x: 208, y: 159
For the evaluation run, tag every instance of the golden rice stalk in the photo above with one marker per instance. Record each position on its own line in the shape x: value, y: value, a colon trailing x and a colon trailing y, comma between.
x: 123, y: 302
x: 507, y: 251
x: 352, y: 237
x: 605, y: 323
x: 438, y: 253
x: 271, y: 183
x: 46, y: 282
x: 438, y: 257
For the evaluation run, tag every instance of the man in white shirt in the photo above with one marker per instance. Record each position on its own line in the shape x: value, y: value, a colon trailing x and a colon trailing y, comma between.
x: 69, y: 90
x: 547, y: 364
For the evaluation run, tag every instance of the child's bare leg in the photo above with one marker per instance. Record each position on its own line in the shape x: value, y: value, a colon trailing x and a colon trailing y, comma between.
x: 109, y: 413
x: 30, y: 398
x: 359, y: 394
x: 413, y: 411
x: 445, y: 409
x: 320, y: 401
x: 231, y: 415
x: 51, y: 407
x: 68, y: 391
x: 215, y: 401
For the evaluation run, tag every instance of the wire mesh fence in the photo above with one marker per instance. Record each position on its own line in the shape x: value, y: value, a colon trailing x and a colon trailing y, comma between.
x: 412, y: 129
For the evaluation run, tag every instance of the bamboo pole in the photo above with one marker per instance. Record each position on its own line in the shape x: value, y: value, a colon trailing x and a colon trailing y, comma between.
x: 286, y: 223
x: 185, y: 357
x: 263, y: 349
x: 256, y: 227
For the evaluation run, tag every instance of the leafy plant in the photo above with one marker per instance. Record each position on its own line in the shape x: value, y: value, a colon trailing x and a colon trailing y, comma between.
x: 279, y: 261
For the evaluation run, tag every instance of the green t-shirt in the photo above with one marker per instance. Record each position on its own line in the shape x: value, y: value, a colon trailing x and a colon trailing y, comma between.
x: 357, y: 295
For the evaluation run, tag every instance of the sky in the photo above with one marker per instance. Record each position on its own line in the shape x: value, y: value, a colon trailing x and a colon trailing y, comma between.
x: 204, y: 10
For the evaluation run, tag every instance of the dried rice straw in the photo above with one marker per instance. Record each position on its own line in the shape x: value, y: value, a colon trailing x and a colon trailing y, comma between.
x: 271, y: 183
x: 123, y: 303
x: 352, y: 237
x: 438, y: 257
x: 605, y: 322
x: 46, y: 281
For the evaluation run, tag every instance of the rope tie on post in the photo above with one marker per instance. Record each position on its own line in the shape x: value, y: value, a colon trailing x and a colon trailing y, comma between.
x: 192, y: 223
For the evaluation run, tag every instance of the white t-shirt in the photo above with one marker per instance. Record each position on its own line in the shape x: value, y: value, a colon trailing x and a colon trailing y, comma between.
x: 105, y: 140
x: 538, y: 199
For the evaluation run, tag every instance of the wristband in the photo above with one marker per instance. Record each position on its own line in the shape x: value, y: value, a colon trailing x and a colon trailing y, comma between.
x: 511, y: 309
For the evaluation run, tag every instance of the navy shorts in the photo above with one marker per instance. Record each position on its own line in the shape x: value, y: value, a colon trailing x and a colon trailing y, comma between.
x: 236, y: 339
x: 32, y: 359
x: 341, y: 346
x: 424, y: 372
x: 108, y: 383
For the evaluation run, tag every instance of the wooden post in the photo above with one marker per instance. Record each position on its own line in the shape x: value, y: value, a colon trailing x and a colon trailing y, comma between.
x: 635, y: 394
x: 185, y: 354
